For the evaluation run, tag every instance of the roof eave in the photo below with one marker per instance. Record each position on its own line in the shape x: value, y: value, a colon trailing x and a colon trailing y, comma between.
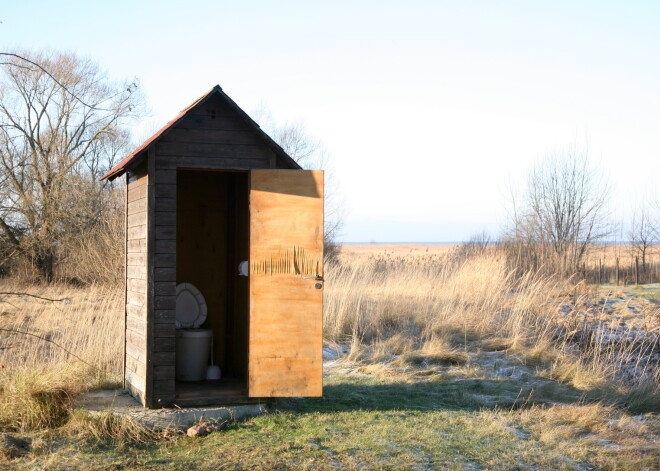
x: 127, y: 162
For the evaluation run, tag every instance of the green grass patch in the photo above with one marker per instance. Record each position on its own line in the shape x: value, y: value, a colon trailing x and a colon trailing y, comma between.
x: 650, y: 291
x: 373, y: 422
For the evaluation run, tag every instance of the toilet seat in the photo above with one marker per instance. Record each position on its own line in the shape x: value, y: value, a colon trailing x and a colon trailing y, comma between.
x: 190, y: 306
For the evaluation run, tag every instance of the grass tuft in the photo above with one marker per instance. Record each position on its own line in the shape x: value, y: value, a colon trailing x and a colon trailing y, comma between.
x: 35, y: 399
x: 104, y: 427
x: 421, y: 359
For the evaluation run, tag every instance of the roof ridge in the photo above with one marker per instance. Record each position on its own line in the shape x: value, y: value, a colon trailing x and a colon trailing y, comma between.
x: 121, y: 167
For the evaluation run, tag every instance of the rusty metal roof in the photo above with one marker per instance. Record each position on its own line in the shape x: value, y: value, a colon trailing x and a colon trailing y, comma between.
x: 134, y: 156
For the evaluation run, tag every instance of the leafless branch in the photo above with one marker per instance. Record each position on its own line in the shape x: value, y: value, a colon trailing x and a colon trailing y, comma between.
x: 44, y: 70
x: 30, y: 334
x: 62, y: 125
x: 12, y: 293
x: 562, y: 213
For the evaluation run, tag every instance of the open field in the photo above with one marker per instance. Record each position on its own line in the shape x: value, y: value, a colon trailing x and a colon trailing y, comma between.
x: 606, y: 259
x: 431, y: 362
x: 415, y: 250
x: 600, y: 262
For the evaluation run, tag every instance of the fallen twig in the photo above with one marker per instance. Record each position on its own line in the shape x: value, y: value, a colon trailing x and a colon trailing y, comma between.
x: 51, y: 341
x: 11, y: 293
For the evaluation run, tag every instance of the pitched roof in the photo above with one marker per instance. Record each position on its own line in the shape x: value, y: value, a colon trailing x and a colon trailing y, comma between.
x: 137, y: 154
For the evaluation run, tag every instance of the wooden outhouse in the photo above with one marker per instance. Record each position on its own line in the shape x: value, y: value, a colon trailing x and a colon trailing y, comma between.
x: 208, y: 191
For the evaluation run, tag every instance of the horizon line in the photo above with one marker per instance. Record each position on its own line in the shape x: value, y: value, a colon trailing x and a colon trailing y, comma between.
x: 444, y: 242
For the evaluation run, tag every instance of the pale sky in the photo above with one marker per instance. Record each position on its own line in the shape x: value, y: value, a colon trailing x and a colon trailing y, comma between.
x: 427, y: 108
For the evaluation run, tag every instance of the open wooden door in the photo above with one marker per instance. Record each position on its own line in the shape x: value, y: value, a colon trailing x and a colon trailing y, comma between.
x: 286, y: 283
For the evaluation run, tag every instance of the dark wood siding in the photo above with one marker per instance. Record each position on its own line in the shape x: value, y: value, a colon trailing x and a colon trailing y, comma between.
x: 135, y: 374
x: 215, y: 137
x: 212, y: 136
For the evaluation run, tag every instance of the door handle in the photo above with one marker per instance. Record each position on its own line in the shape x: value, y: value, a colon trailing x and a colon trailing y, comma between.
x: 317, y: 278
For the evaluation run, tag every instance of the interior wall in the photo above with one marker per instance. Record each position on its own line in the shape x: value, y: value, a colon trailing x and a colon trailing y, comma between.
x: 238, y: 303
x: 211, y: 240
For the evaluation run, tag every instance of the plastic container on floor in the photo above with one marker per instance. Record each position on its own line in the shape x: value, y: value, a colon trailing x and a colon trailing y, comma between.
x: 193, y: 347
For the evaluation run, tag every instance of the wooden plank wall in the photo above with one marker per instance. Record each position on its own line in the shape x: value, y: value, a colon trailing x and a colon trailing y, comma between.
x: 202, y: 245
x: 135, y: 372
x: 212, y: 136
x: 238, y: 303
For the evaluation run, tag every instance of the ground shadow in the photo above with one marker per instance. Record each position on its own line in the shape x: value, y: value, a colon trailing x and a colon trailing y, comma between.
x: 464, y: 394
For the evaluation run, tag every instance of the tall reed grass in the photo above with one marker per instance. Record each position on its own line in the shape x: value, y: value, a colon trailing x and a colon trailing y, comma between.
x: 51, y: 351
x: 391, y: 305
x: 386, y: 307
x: 374, y: 298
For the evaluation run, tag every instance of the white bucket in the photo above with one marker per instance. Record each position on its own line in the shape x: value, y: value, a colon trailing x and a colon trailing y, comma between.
x: 193, y: 347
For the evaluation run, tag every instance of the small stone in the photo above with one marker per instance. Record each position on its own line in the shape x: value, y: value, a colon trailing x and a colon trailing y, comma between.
x: 204, y: 428
x: 198, y: 430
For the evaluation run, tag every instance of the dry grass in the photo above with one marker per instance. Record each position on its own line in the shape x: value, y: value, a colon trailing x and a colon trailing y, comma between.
x: 419, y: 311
x: 610, y: 252
x: 398, y: 314
x: 96, y: 254
x: 423, y: 251
x: 587, y: 431
x: 434, y: 298
x: 103, y: 427
x: 606, y: 257
x: 40, y: 397
x: 40, y: 377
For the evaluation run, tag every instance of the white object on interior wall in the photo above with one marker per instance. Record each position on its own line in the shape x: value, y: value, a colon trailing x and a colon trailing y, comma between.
x: 243, y: 268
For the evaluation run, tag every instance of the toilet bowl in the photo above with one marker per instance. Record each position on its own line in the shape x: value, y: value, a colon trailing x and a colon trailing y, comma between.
x: 193, y: 345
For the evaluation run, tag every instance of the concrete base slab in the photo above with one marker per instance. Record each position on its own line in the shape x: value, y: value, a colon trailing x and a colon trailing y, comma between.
x: 119, y: 402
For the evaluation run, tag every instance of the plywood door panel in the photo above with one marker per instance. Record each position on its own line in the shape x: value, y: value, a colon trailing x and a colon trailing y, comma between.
x: 286, y: 306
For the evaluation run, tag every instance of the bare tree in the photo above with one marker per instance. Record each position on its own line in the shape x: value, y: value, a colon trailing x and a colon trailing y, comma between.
x: 61, y: 127
x: 563, y: 211
x: 477, y: 244
x: 643, y: 233
x: 303, y: 148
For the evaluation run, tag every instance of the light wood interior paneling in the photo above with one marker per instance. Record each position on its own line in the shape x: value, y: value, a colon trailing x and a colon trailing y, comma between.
x: 211, y: 240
